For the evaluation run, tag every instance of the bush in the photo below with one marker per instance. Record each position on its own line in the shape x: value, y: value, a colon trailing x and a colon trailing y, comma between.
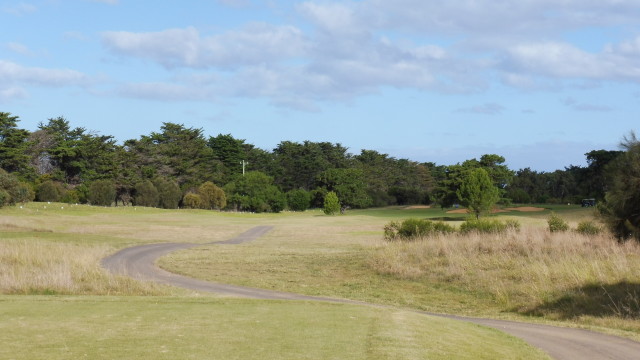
x: 169, y: 193
x: 192, y: 201
x: 588, y: 228
x: 211, y: 196
x: 485, y: 226
x: 410, y: 229
x: 299, y: 200
x: 146, y: 194
x: 70, y: 197
x: 50, y: 191
x: 102, y: 193
x: 331, y: 204
x: 557, y: 224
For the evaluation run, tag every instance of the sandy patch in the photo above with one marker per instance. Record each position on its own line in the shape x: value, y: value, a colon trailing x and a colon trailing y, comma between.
x: 418, y: 207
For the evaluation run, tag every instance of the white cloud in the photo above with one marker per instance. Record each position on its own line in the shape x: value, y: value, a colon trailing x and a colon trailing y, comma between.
x: 361, y: 47
x: 19, y: 48
x: 254, y: 44
x: 12, y: 93
x: 109, y: 2
x: 14, y: 73
x: 20, y: 9
x: 484, y: 109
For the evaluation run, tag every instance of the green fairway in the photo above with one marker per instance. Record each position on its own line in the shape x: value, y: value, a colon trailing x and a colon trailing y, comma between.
x: 205, y: 328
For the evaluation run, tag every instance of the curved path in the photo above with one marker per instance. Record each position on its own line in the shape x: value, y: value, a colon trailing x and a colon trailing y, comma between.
x: 560, y: 343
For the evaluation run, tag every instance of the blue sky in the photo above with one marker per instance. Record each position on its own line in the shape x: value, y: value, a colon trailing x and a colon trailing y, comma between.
x: 540, y: 82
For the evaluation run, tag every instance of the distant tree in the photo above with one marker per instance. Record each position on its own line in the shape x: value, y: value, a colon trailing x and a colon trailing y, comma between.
x: 192, y: 201
x: 146, y: 194
x: 13, y: 191
x: 621, y: 208
x: 478, y: 192
x: 169, y: 193
x: 13, y: 146
x: 255, y: 192
x: 348, y: 184
x: 212, y: 197
x: 102, y: 192
x: 331, y: 204
x: 299, y: 200
x: 50, y: 191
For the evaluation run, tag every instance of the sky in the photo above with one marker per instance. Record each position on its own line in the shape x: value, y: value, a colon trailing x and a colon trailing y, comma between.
x: 540, y: 82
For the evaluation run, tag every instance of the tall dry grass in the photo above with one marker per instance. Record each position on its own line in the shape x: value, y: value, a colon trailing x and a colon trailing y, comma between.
x: 39, y: 267
x: 561, y: 275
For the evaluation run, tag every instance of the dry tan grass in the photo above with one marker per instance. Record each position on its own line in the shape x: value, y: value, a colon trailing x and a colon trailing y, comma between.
x: 38, y: 267
x: 531, y: 271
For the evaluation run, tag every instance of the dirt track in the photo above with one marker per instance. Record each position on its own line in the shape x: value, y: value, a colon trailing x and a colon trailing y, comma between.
x: 561, y: 343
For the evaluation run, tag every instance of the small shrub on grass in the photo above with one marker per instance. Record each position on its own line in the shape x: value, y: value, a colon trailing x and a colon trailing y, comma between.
x: 485, y: 226
x: 415, y: 228
x: 588, y: 228
x: 102, y: 192
x: 557, y: 224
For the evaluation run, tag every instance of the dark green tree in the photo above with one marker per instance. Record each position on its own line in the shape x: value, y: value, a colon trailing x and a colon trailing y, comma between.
x: 102, y: 192
x: 50, y: 191
x: 13, y: 146
x: 621, y: 208
x: 255, y: 192
x: 169, y: 193
x: 146, y: 194
x: 299, y: 200
x: 348, y: 184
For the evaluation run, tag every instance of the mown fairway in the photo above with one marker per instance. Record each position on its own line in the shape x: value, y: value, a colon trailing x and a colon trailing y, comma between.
x: 56, y: 251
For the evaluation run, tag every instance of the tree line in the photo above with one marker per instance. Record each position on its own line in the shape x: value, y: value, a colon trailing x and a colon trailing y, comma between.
x: 179, y: 166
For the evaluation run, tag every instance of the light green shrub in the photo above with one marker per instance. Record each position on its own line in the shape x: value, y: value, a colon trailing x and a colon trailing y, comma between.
x: 557, y: 224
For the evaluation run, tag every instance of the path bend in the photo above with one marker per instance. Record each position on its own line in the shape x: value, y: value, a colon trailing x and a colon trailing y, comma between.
x: 560, y: 343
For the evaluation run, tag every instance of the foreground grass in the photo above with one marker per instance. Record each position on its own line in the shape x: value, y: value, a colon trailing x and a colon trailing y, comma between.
x: 573, y: 280
x: 205, y: 328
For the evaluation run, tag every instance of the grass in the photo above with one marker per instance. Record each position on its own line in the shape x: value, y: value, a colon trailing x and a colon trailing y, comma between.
x: 567, y: 278
x: 206, y: 328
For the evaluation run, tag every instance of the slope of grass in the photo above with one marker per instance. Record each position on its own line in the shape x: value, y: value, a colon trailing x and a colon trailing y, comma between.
x: 204, y: 328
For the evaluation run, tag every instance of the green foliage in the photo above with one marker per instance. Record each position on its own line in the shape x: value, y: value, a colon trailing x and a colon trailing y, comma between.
x: 348, y: 184
x: 13, y: 145
x: 557, y: 224
x: 50, y: 191
x: 331, y: 204
x: 212, y: 197
x: 411, y: 229
x: 485, y: 226
x: 587, y: 227
x: 478, y: 192
x: 70, y: 197
x: 146, y: 194
x: 102, y: 193
x: 299, y: 200
x: 255, y: 192
x: 169, y: 193
x: 5, y: 198
x: 14, y: 190
x: 192, y: 201
x: 621, y: 208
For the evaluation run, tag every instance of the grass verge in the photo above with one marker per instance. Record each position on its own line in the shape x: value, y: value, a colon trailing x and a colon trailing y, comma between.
x: 206, y: 328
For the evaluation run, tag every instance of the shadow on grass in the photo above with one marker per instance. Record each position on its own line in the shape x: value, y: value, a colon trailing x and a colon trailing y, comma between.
x: 620, y: 300
x: 447, y: 218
